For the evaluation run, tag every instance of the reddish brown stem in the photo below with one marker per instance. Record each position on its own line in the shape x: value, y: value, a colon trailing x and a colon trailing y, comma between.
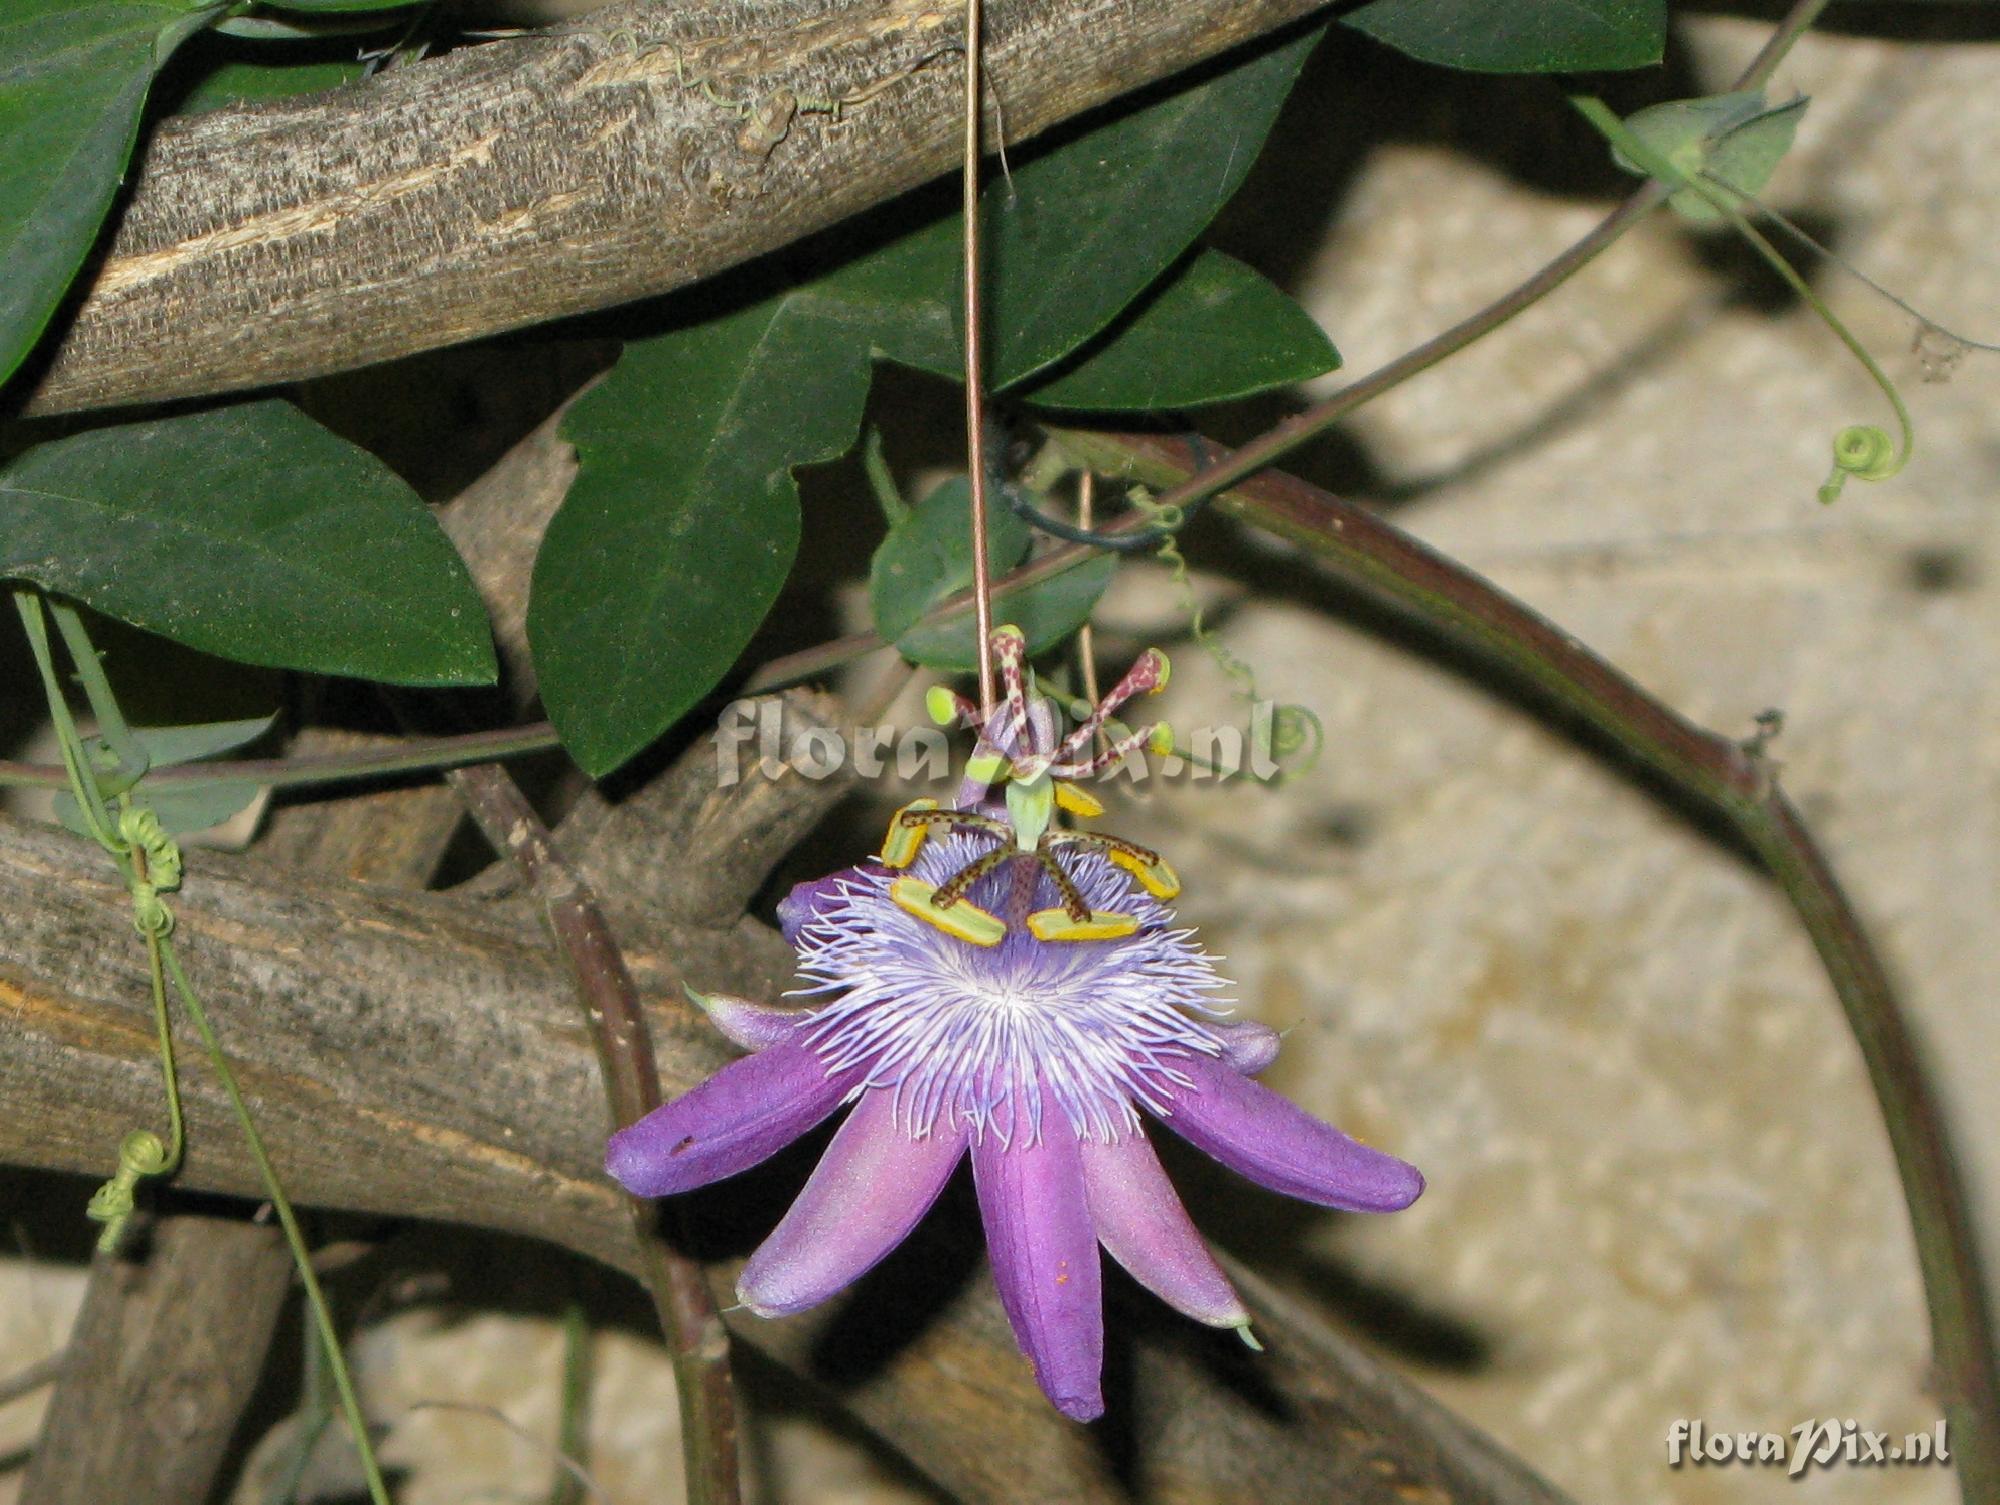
x: 1726, y: 777
x: 697, y: 1342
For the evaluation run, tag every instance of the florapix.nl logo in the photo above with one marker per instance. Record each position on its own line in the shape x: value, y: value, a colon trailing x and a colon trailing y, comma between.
x: 766, y: 738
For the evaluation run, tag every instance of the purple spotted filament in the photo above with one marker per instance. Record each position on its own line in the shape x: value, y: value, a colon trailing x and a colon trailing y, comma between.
x: 1037, y: 1057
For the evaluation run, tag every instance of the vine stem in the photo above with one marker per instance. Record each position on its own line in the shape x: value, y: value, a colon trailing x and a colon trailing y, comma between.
x: 336, y: 1360
x: 697, y: 1342
x: 1323, y: 415
x: 1738, y: 784
x: 415, y: 755
x: 975, y: 393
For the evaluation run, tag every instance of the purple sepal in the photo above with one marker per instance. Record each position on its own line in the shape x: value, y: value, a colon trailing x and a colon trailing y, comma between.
x: 808, y: 900
x: 1140, y: 1221
x: 1044, y: 1252
x: 745, y: 1113
x: 1277, y: 1144
x: 1247, y: 1046
x: 870, y: 1189
x: 753, y: 1026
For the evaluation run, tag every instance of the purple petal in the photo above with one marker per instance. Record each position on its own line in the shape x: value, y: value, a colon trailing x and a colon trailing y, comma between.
x: 1141, y: 1222
x: 806, y: 901
x: 754, y: 1026
x: 870, y: 1189
x: 1247, y: 1046
x: 1045, y: 1259
x: 745, y: 1113
x: 1259, y: 1134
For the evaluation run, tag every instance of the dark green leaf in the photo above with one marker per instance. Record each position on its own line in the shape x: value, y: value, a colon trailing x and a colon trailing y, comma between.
x: 239, y: 82
x: 928, y: 555
x: 1520, y: 36
x: 73, y: 79
x: 253, y: 533
x: 1047, y: 612
x: 1081, y: 230
x: 321, y: 6
x: 1212, y: 331
x: 681, y: 527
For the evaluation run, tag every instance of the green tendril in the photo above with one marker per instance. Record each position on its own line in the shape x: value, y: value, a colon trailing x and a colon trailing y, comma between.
x: 141, y: 1156
x: 149, y: 860
x: 1860, y: 449
x: 1292, y: 730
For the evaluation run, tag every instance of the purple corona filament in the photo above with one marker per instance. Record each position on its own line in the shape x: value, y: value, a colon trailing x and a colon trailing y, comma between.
x: 1038, y: 1060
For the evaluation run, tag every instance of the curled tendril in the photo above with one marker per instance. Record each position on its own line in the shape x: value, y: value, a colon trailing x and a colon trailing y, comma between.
x: 1292, y: 729
x: 141, y: 1154
x: 157, y: 868
x: 1863, y: 450
x: 1293, y: 736
x: 141, y: 830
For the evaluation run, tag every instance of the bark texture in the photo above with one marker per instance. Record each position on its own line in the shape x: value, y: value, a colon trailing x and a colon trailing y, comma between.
x: 523, y: 180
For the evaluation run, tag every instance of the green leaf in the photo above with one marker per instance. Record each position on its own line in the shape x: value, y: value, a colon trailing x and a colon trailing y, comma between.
x: 184, y: 808
x: 1081, y: 230
x: 928, y: 555
x: 252, y: 533
x: 681, y: 526
x: 167, y: 745
x: 1047, y: 612
x: 322, y: 6
x: 680, y: 529
x: 1520, y: 36
x: 1212, y: 331
x: 73, y: 79
x: 1735, y: 138
x: 241, y: 82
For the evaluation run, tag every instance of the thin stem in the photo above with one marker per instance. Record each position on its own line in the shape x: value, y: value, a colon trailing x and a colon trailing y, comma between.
x: 697, y: 1342
x: 573, y: 1414
x: 1086, y: 646
x: 1799, y: 233
x: 1656, y: 165
x: 975, y: 394
x: 1323, y: 415
x: 350, y: 1402
x: 76, y: 773
x: 882, y: 480
x: 169, y: 1074
x: 1740, y: 787
x: 111, y: 727
x: 314, y: 1416
x: 425, y: 755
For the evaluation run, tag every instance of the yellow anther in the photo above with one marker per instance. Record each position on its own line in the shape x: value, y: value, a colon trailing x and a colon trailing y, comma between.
x: 902, y: 843
x: 941, y: 704
x: 1057, y: 925
x: 1166, y: 672
x: 964, y: 920
x: 1077, y: 800
x: 1154, y: 874
x: 1160, y: 741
